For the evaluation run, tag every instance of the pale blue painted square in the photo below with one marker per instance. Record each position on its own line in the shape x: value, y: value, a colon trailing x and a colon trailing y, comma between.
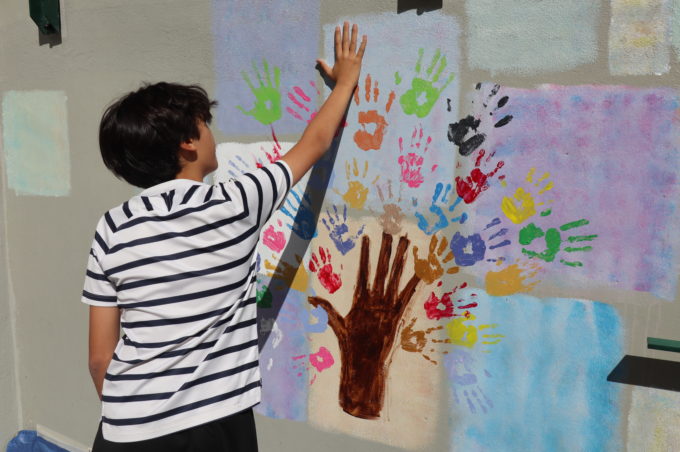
x: 529, y: 36
x: 35, y: 142
x: 544, y: 386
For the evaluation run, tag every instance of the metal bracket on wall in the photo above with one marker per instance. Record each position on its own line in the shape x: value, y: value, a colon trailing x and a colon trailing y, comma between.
x: 46, y: 15
x: 420, y: 6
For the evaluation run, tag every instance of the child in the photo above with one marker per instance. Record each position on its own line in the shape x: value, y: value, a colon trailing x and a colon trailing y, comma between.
x: 174, y: 268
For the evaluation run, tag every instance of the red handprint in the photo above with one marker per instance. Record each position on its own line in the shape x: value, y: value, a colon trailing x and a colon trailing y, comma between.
x: 477, y: 182
x: 324, y: 270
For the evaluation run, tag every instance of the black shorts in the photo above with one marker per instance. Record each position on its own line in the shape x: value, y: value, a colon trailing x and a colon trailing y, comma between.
x: 235, y: 433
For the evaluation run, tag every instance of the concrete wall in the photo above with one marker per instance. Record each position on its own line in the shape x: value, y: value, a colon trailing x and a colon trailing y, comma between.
x: 110, y: 46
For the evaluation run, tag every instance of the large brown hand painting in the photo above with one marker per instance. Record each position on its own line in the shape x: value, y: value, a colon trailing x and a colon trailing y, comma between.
x: 366, y: 335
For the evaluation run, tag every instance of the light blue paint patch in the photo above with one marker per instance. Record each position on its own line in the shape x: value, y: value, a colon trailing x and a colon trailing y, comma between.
x: 526, y: 36
x: 285, y: 380
x: 35, y: 140
x: 544, y: 386
x: 424, y: 51
x: 286, y: 34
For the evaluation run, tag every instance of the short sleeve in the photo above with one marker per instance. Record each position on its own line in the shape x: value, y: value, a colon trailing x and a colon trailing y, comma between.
x: 266, y: 188
x: 98, y: 290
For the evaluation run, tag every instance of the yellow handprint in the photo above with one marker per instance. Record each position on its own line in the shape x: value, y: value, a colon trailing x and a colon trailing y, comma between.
x: 356, y: 193
x: 522, y: 205
x: 467, y: 335
x: 295, y: 275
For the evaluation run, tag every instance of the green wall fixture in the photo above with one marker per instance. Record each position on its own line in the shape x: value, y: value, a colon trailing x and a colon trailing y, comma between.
x: 45, y: 14
x: 663, y: 344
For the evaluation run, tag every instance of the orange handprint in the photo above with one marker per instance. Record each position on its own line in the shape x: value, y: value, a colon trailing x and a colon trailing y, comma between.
x: 364, y: 138
x: 430, y: 269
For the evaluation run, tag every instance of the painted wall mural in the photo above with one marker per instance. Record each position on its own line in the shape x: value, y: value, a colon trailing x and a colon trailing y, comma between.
x: 396, y: 280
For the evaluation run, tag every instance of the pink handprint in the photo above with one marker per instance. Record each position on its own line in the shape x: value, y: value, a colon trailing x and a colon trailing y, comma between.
x: 274, y: 239
x: 324, y: 270
x: 411, y: 163
x: 305, y: 110
x: 321, y: 360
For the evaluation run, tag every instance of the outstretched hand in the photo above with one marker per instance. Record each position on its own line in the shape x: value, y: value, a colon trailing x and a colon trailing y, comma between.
x: 348, y: 57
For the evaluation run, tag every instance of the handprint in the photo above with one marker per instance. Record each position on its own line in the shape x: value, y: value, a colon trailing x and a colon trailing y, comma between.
x: 294, y: 274
x: 439, y: 201
x: 465, y: 133
x: 366, y: 138
x: 263, y: 296
x: 415, y: 341
x: 437, y: 308
x: 357, y: 192
x: 299, y: 210
x: 304, y: 107
x: 463, y: 332
x: 321, y: 360
x: 273, y: 238
x: 274, y: 155
x: 462, y: 375
x: 324, y: 270
x: 392, y: 216
x: 430, y: 268
x: 473, y: 185
x: 339, y: 231
x: 411, y: 163
x: 238, y: 167
x: 553, y: 241
x: 267, y: 107
x: 423, y: 94
x: 471, y: 249
x: 522, y: 205
x: 515, y: 278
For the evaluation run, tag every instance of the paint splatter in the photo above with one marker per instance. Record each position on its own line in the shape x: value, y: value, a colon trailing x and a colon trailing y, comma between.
x: 478, y: 181
x: 275, y: 153
x: 431, y: 268
x: 339, y: 231
x: 440, y: 208
x: 423, y: 94
x: 373, y: 124
x: 324, y: 270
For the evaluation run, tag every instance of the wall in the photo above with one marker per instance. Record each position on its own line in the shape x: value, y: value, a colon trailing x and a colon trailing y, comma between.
x: 519, y: 329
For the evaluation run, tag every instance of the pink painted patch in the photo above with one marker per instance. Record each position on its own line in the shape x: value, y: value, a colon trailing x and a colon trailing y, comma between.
x: 411, y: 164
x: 273, y: 239
x: 322, y: 359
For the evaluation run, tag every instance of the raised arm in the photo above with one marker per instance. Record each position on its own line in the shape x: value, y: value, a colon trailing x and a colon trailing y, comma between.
x: 319, y: 134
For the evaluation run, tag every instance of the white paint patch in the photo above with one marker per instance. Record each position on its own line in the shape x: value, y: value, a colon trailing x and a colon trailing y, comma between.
x: 528, y: 36
x: 653, y: 421
x: 35, y: 137
x: 638, y: 37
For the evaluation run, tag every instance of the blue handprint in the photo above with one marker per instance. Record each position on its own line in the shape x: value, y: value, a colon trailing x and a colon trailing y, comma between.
x: 468, y: 250
x: 339, y: 231
x: 301, y: 214
x: 238, y: 166
x: 439, y: 201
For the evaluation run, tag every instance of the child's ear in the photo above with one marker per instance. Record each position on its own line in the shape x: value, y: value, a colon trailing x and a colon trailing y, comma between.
x: 188, y: 145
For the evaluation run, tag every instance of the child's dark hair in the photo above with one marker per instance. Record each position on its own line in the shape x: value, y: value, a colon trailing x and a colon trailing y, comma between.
x: 140, y: 134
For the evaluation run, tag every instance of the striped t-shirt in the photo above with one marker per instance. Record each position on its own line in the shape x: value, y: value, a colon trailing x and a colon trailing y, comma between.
x: 179, y: 261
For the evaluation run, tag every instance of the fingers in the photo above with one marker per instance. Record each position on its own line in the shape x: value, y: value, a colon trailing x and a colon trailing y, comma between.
x: 362, y: 47
x: 353, y: 41
x: 345, y: 38
x: 338, y: 41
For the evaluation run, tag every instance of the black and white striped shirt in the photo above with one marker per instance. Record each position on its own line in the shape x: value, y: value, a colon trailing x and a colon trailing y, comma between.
x: 179, y: 261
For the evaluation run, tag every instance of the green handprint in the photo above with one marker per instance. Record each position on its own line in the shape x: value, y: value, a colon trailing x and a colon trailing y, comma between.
x: 263, y: 297
x: 553, y: 241
x: 422, y: 96
x: 267, y: 108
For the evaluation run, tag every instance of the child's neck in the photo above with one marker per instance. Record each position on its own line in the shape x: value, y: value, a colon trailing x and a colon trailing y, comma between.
x: 191, y: 172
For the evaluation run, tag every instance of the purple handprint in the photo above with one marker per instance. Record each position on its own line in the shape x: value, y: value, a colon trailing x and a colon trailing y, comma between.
x: 339, y: 231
